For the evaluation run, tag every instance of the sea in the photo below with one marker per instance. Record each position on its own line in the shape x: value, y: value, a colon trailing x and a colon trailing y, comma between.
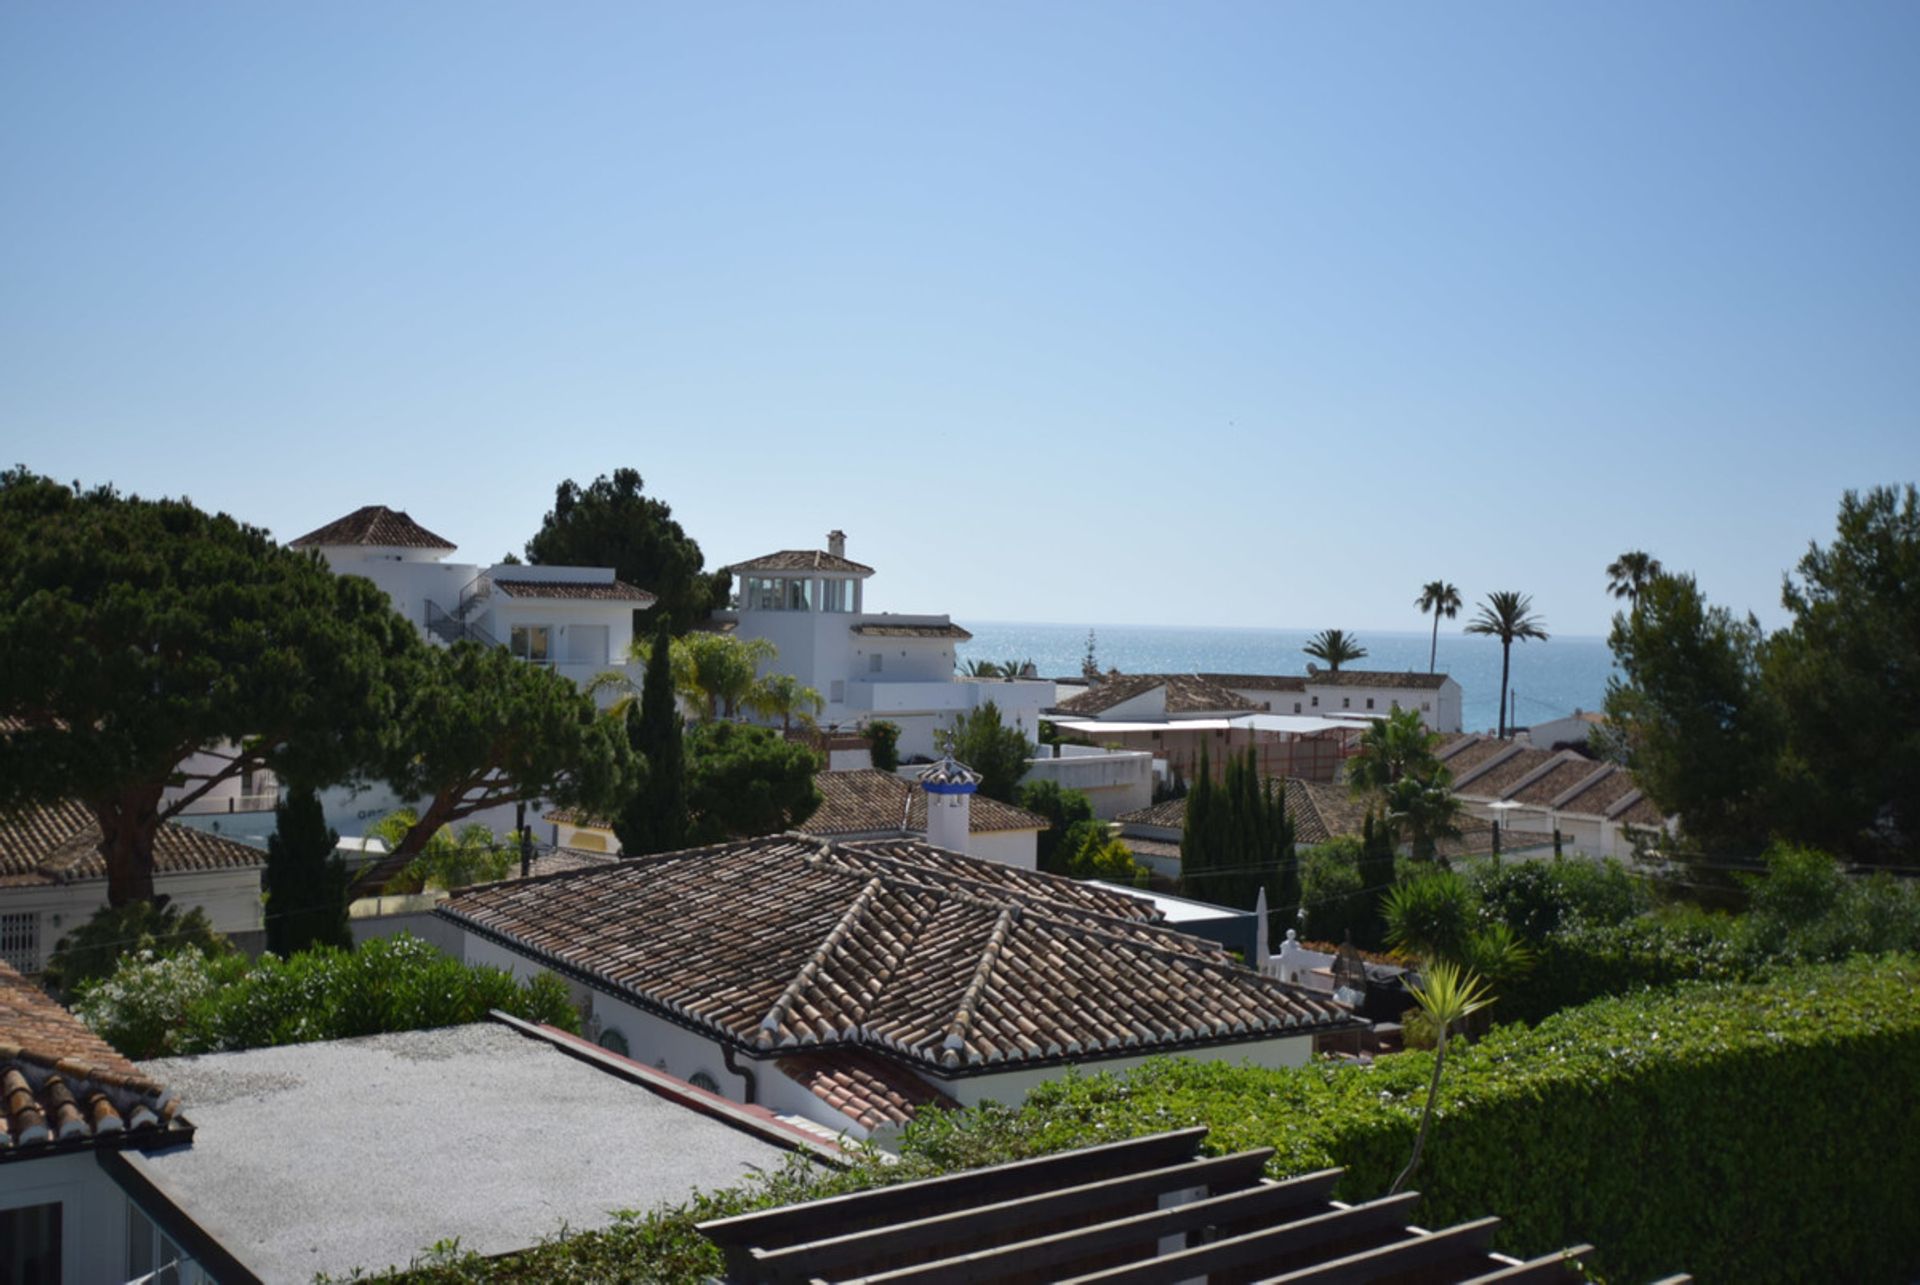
x: 1550, y: 679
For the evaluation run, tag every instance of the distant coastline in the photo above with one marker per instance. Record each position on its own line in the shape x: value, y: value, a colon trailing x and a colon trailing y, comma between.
x: 1550, y: 679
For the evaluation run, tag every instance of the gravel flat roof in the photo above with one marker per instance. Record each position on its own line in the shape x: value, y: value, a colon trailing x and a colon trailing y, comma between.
x: 362, y: 1153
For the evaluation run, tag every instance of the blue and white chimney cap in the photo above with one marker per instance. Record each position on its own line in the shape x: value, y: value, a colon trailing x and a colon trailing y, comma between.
x: 949, y: 776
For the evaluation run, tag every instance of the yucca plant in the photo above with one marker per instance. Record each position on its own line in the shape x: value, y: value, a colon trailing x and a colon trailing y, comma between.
x: 1446, y: 996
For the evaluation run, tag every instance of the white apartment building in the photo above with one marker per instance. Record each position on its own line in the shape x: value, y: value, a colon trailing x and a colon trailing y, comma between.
x: 811, y: 605
x: 1329, y: 693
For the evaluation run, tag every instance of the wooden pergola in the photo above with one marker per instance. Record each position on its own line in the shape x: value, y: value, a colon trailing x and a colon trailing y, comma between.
x: 1150, y: 1209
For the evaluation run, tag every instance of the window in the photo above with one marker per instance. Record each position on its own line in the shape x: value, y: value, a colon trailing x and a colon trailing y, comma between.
x: 30, y: 1243
x: 613, y: 1041
x: 20, y: 940
x: 799, y: 596
x: 151, y: 1254
x: 701, y: 1080
x: 1346, y: 702
x: 1426, y: 707
x: 837, y: 690
x: 531, y: 642
x: 836, y: 595
x: 1316, y: 702
x: 1369, y: 702
x: 873, y: 663
x: 1296, y: 707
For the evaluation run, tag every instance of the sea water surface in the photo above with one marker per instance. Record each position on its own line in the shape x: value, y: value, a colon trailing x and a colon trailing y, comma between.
x: 1550, y: 679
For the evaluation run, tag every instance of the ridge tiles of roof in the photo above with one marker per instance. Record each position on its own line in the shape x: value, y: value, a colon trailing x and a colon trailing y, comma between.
x: 585, y: 590
x: 943, y: 962
x: 376, y: 525
x: 62, y: 1086
x: 801, y: 560
x: 868, y: 801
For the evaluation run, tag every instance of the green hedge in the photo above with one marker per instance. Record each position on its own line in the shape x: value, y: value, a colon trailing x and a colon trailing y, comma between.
x: 160, y: 1005
x: 1749, y: 1132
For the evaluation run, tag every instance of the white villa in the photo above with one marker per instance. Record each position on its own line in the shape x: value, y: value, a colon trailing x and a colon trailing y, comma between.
x: 811, y: 605
x: 577, y: 620
x: 1366, y: 693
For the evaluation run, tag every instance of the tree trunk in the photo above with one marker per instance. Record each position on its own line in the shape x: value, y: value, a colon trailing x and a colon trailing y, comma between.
x: 1433, y: 652
x: 1506, y: 659
x: 129, y: 824
x: 1426, y: 1116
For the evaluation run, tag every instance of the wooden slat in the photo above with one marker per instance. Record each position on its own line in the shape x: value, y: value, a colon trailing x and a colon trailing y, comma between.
x: 772, y: 1228
x: 1384, y: 1216
x: 1058, y: 1252
x: 1392, y: 1260
x: 836, y: 1257
x: 1548, y: 1267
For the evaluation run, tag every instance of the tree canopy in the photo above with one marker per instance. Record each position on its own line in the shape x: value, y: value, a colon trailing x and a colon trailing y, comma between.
x: 997, y: 752
x: 306, y: 881
x: 135, y: 633
x: 1238, y: 839
x: 1441, y: 599
x: 1334, y: 648
x: 745, y: 781
x: 483, y: 728
x: 1508, y: 616
x: 1390, y: 748
x: 612, y: 523
x: 653, y: 817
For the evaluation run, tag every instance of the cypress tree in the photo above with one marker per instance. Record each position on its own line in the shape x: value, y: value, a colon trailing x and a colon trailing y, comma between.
x: 655, y: 816
x: 1197, y: 851
x: 306, y: 881
x: 1376, y: 875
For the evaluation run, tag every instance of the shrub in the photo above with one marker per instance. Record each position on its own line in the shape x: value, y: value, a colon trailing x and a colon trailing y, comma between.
x: 1062, y: 808
x: 1700, y: 1129
x: 1333, y: 893
x: 113, y: 933
x: 1536, y: 898
x: 188, y: 1003
x: 884, y: 739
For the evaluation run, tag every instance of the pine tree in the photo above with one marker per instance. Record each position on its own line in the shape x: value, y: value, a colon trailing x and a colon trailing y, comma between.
x: 306, y: 881
x: 655, y: 816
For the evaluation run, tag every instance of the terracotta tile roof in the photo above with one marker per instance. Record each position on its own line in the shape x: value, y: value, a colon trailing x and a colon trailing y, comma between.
x: 556, y: 861
x: 871, y: 1091
x: 870, y: 801
x: 1466, y: 753
x: 57, y: 843
x: 1563, y: 776
x: 1641, y: 812
x: 1186, y: 694
x: 895, y: 948
x: 1169, y: 814
x: 1165, y: 849
x: 1319, y: 811
x: 1602, y: 794
x: 1496, y: 781
x: 912, y: 631
x: 376, y: 524
x: 62, y: 1086
x: 576, y: 591
x: 1376, y: 678
x: 1260, y: 682
x: 801, y: 560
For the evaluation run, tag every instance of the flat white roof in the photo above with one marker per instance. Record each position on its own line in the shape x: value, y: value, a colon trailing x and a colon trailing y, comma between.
x: 1295, y: 724
x: 1176, y: 909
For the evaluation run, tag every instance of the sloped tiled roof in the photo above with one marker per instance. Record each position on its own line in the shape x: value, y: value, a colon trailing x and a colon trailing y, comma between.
x: 1562, y: 780
x: 55, y: 843
x: 1186, y: 694
x: 1260, y: 682
x: 869, y: 801
x: 576, y: 591
x: 1464, y: 754
x: 790, y: 944
x: 871, y: 1091
x: 1496, y: 781
x: 802, y: 560
x: 954, y: 632
x: 377, y: 525
x: 63, y: 1087
x: 1376, y: 678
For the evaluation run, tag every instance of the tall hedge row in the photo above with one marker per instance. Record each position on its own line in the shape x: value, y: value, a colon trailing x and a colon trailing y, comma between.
x: 1759, y: 1132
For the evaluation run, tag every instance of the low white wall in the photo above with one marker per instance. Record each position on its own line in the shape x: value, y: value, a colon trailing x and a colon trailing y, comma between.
x: 1009, y: 847
x: 1113, y: 781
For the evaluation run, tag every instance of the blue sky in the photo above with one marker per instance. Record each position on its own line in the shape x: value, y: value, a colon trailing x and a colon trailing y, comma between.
x: 1255, y: 314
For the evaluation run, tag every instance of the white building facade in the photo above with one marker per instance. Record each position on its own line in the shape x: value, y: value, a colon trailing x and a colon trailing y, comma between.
x: 811, y: 605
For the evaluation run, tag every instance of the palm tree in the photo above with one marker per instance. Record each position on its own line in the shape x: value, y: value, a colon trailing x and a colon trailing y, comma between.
x: 1335, y: 647
x: 786, y: 698
x: 1447, y: 996
x: 1630, y: 573
x: 1393, y: 747
x: 1426, y: 809
x: 1508, y: 616
x: 980, y: 669
x: 1442, y: 599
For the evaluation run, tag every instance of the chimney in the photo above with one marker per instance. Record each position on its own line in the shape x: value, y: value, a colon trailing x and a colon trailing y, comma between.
x: 837, y: 543
x: 950, y: 787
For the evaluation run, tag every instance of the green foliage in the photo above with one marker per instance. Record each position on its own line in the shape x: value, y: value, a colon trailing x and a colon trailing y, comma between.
x: 1432, y: 915
x: 1629, y: 574
x: 1425, y: 810
x: 95, y: 948
x: 1399, y: 745
x: 306, y: 881
x: 884, y: 738
x: 1508, y: 616
x: 1334, y: 648
x: 998, y: 753
x: 450, y: 859
x: 612, y: 523
x: 1538, y: 898
x: 134, y: 632
x: 745, y: 781
x: 1445, y: 996
x: 717, y: 674
x: 1238, y: 840
x: 1090, y: 850
x: 786, y: 698
x: 1742, y: 1099
x: 482, y: 729
x: 1377, y: 873
x: 1062, y: 808
x: 1807, y: 734
x: 154, y: 1006
x: 653, y: 817
x: 1337, y: 900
